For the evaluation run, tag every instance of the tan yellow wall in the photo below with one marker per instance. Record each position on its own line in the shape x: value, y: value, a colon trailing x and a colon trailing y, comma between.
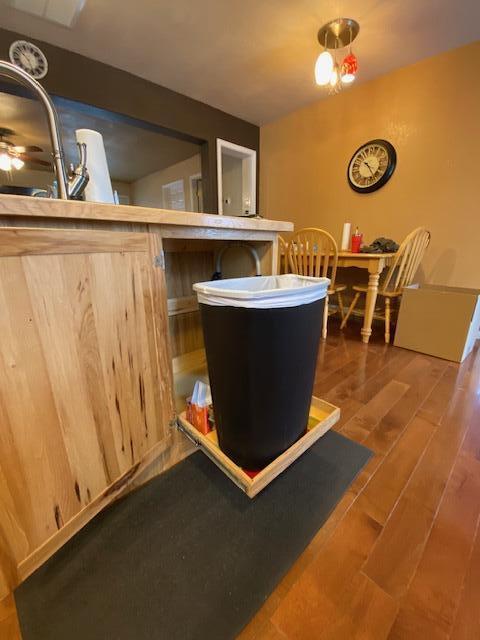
x: 430, y: 112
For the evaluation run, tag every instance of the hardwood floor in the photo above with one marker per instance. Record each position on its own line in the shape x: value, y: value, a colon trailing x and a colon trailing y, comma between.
x: 399, y: 557
x: 9, y: 629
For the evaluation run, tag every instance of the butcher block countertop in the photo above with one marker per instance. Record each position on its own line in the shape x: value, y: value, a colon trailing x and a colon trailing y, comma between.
x: 69, y: 209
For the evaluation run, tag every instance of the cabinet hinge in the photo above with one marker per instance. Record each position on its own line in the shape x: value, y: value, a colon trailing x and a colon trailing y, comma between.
x: 160, y: 260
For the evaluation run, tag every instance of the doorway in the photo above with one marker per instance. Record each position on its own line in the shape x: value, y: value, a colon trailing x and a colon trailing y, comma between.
x: 237, y: 179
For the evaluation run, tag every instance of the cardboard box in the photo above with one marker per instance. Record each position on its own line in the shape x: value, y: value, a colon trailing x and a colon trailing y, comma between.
x: 440, y: 321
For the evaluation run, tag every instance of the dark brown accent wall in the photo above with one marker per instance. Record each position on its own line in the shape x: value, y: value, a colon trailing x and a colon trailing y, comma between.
x: 79, y: 78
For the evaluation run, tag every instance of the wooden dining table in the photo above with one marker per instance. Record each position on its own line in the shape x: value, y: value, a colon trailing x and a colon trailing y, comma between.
x: 375, y: 263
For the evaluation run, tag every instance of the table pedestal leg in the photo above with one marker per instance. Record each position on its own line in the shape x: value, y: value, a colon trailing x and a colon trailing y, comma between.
x: 370, y: 306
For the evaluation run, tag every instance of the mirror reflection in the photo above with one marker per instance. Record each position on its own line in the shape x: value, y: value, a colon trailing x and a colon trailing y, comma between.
x: 148, y: 167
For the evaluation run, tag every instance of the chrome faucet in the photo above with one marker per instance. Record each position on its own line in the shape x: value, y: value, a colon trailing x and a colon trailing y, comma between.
x: 70, y: 185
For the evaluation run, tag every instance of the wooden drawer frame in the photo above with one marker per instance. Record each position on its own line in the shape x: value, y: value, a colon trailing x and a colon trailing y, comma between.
x: 323, y: 416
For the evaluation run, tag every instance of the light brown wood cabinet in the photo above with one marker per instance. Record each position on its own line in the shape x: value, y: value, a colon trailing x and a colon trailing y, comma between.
x: 85, y: 375
x: 87, y: 393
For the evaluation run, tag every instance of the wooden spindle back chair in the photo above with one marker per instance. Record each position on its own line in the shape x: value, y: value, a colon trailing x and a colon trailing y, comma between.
x: 407, y: 260
x: 283, y: 266
x: 400, y: 274
x: 314, y: 252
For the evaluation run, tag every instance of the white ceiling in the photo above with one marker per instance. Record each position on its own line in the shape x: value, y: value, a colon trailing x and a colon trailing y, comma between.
x: 252, y: 58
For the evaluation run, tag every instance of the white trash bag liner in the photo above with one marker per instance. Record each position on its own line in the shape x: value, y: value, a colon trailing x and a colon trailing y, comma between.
x: 262, y: 292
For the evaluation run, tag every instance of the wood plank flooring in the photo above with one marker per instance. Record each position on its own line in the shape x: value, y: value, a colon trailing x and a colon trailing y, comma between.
x: 399, y: 557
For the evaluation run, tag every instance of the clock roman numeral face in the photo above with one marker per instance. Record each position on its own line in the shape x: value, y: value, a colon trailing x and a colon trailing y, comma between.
x: 370, y: 165
x: 29, y: 57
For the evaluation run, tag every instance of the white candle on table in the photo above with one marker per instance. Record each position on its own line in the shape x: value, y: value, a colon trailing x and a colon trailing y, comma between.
x: 347, y: 228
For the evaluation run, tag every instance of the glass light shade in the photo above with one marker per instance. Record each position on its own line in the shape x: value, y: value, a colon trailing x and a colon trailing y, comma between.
x: 349, y: 68
x: 17, y: 163
x: 334, y: 77
x: 5, y: 162
x: 323, y: 68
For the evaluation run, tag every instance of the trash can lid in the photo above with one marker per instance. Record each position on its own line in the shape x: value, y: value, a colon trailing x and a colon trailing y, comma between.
x: 262, y: 292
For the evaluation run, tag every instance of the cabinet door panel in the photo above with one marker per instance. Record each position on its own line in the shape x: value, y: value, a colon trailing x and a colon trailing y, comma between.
x: 85, y: 377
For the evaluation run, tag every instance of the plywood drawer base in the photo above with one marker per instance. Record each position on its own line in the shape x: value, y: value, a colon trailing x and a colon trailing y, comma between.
x: 323, y: 416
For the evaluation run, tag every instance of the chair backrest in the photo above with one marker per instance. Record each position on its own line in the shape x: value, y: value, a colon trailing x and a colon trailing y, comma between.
x: 407, y: 260
x: 282, y: 255
x: 311, y: 252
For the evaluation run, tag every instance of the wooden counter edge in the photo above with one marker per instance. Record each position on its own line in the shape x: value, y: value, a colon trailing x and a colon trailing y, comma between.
x: 49, y: 208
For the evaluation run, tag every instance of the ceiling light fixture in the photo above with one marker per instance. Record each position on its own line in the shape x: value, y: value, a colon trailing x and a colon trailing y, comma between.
x: 323, y: 68
x: 349, y: 69
x: 334, y: 77
x: 5, y: 162
x: 336, y: 34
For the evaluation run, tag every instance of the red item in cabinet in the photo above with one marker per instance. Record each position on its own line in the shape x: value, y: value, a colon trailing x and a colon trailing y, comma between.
x: 198, y: 416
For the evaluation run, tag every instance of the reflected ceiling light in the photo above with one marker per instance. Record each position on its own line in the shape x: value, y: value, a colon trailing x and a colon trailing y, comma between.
x: 5, y: 162
x: 17, y: 163
x: 336, y: 35
x: 9, y: 161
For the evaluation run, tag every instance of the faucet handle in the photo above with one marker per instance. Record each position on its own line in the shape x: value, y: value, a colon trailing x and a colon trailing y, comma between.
x: 82, y: 152
x: 79, y: 175
x: 81, y: 167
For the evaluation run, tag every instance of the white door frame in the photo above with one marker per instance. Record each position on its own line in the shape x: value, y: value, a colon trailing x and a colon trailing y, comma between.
x: 249, y: 173
x: 191, y: 180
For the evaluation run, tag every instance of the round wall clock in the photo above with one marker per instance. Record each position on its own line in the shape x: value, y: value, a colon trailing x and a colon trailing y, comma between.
x: 371, y: 166
x: 29, y: 57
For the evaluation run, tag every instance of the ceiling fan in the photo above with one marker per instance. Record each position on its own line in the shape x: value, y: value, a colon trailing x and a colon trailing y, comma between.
x: 14, y: 156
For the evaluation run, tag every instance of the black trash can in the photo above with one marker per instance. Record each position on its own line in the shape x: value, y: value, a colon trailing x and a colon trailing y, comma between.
x: 261, y: 340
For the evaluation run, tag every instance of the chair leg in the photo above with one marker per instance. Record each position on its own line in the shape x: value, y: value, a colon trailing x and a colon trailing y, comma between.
x: 325, y: 319
x: 340, y: 305
x: 351, y: 308
x: 387, y: 320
